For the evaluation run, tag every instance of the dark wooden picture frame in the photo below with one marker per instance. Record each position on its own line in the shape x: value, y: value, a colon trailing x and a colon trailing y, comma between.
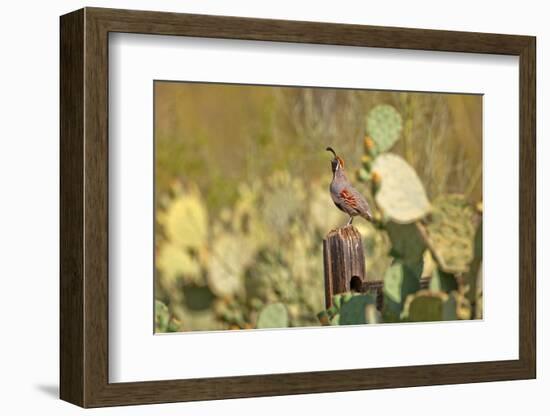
x: 84, y: 207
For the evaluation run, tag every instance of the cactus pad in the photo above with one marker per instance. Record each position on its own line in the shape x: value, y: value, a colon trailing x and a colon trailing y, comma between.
x: 426, y: 306
x: 175, y: 263
x: 399, y: 282
x: 185, y: 221
x: 406, y: 243
x: 450, y: 233
x: 393, y: 280
x: 384, y: 125
x: 351, y: 309
x: 273, y: 316
x: 354, y: 311
x: 401, y: 196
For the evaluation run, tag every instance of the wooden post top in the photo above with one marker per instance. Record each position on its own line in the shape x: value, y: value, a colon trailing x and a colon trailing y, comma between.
x: 344, y: 262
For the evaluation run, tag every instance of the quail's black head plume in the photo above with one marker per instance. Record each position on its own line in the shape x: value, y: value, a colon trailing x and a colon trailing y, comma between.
x: 343, y: 194
x: 336, y: 161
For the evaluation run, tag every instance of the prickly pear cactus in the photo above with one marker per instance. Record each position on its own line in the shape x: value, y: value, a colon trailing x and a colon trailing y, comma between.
x: 426, y: 306
x: 274, y: 315
x: 354, y: 311
x: 185, y: 221
x: 407, y: 243
x: 376, y: 246
x: 401, y: 195
x: 399, y: 282
x: 351, y: 309
x: 384, y: 125
x: 450, y: 233
x: 175, y: 263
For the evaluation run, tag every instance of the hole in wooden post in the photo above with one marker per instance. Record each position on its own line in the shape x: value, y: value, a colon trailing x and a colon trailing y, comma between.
x: 355, y: 284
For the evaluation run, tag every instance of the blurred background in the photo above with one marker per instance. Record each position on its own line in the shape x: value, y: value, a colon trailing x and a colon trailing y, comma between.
x: 242, y: 203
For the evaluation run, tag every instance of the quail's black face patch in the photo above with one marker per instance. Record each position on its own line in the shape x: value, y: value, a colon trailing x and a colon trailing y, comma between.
x: 334, y: 164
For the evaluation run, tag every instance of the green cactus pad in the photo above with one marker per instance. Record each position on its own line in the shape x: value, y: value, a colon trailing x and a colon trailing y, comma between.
x: 384, y: 125
x: 400, y: 281
x: 197, y: 298
x: 354, y: 312
x: 401, y: 195
x: 333, y: 310
x: 407, y: 243
x: 450, y: 233
x: 337, y: 301
x: 273, y: 316
x: 427, y: 306
x: 346, y: 297
x: 376, y: 246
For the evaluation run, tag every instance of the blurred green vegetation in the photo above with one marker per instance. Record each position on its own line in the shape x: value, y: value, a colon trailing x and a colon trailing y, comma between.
x: 242, y: 204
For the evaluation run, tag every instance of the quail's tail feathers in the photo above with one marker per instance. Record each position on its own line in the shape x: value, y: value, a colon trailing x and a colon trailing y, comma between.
x: 367, y: 215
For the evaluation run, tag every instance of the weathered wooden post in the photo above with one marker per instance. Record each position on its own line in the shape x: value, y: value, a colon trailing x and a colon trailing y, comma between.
x: 344, y: 263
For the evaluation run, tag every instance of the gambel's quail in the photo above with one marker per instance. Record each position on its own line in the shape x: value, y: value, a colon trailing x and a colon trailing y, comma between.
x: 344, y: 195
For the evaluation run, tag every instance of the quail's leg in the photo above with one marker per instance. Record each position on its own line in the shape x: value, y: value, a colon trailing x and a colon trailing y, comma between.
x: 349, y: 221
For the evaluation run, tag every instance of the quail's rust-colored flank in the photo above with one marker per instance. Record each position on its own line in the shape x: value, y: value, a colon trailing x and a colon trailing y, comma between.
x: 348, y: 198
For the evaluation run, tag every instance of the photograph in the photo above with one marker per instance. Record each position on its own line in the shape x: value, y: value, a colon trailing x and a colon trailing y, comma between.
x: 304, y: 206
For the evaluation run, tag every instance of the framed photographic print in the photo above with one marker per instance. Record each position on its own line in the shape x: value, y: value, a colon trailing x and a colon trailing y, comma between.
x: 255, y: 207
